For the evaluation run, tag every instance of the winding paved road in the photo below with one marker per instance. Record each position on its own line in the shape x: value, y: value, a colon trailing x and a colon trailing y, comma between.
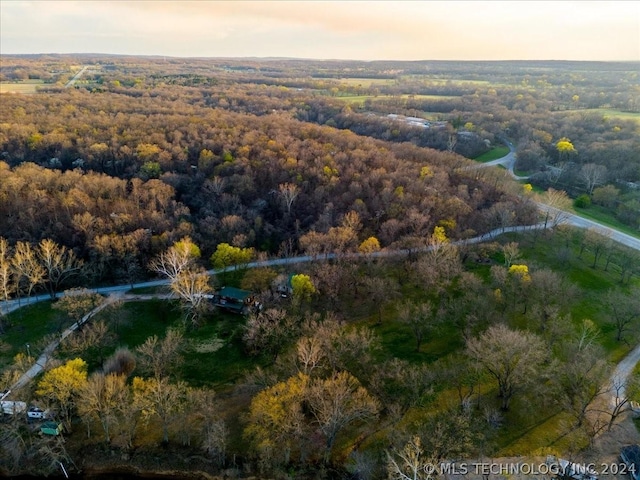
x: 117, y: 292
x: 626, y: 366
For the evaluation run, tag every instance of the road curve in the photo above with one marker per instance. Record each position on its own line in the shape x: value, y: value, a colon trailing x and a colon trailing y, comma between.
x: 622, y: 372
x: 11, y: 305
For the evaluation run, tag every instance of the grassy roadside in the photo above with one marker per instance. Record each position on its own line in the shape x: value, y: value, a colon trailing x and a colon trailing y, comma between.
x: 603, y: 216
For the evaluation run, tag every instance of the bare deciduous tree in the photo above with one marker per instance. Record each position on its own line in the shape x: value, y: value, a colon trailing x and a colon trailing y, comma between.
x: 592, y: 175
x: 512, y: 357
x: 78, y: 302
x: 337, y: 402
x: 191, y: 286
x: 59, y: 263
x: 269, y: 332
x: 26, y: 265
x: 624, y: 309
x: 581, y: 380
x: 411, y: 462
x: 161, y: 400
x: 121, y: 362
x: 288, y: 192
x: 511, y: 253
x: 557, y: 203
x: 99, y: 400
x: 420, y: 318
x: 161, y: 356
x: 177, y: 258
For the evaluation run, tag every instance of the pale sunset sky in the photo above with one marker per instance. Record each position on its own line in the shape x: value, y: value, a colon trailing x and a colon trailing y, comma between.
x: 358, y: 30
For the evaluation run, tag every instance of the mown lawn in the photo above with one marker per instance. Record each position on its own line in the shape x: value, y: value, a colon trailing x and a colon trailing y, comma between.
x: 213, y: 353
x: 493, y: 154
x: 33, y: 324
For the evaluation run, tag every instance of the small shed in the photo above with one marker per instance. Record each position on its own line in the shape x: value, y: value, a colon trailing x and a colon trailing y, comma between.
x: 51, y: 428
x: 284, y: 286
x: 235, y: 300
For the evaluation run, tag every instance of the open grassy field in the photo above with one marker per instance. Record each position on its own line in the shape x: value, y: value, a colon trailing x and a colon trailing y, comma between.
x: 608, y: 113
x: 493, y: 154
x: 611, y: 113
x: 213, y: 353
x: 33, y: 325
x: 26, y: 87
x: 360, y: 99
x: 367, y: 82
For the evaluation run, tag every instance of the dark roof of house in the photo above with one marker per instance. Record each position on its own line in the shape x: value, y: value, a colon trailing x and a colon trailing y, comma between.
x: 234, y: 293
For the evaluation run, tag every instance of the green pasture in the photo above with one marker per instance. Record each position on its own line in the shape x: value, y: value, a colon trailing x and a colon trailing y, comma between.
x: 213, y: 353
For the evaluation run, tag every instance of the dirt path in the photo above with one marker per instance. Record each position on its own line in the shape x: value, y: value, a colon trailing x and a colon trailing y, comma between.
x: 43, y: 359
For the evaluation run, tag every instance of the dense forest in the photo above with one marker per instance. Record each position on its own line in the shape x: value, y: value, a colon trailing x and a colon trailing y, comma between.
x: 358, y: 363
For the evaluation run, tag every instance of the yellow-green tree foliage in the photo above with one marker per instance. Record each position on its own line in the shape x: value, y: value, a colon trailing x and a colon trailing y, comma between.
x: 439, y: 236
x: 520, y: 271
x: 276, y: 419
x: 302, y: 286
x: 62, y: 384
x: 369, y: 245
x: 227, y: 255
x: 426, y: 172
x: 187, y: 247
x: 565, y: 146
x: 147, y: 151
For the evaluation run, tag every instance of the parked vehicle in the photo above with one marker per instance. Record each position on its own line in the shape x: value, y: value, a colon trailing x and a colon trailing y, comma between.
x: 630, y: 455
x: 37, y: 413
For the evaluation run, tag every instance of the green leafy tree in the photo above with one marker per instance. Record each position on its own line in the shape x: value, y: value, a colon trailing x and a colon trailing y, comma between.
x: 303, y: 287
x: 227, y: 255
x: 150, y: 170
